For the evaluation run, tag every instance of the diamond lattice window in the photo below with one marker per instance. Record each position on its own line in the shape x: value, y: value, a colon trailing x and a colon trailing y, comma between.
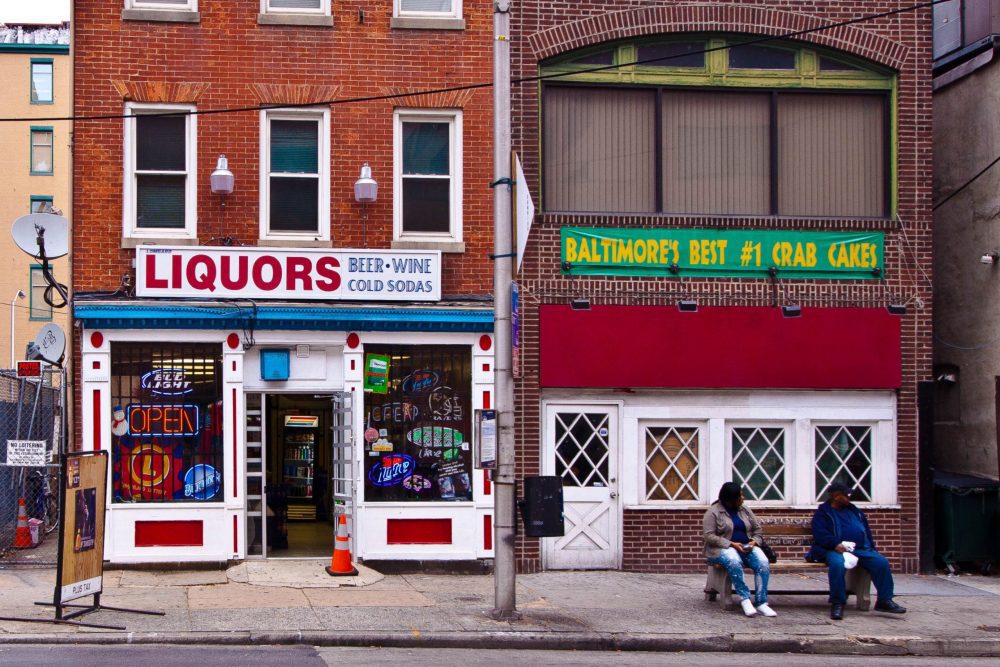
x: 844, y: 454
x: 672, y: 460
x: 759, y: 462
x: 582, y: 448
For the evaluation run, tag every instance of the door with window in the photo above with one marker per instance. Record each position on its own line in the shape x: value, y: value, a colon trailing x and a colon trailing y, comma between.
x: 581, y: 447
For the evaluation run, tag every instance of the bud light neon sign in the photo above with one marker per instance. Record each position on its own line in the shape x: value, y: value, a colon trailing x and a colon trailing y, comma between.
x: 166, y: 382
x: 391, y: 470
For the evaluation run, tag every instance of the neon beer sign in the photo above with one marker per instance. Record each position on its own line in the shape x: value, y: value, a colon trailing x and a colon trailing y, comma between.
x: 149, y: 421
x: 392, y: 469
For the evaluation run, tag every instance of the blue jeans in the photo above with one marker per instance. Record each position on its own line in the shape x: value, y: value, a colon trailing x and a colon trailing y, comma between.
x: 876, y: 564
x: 734, y: 562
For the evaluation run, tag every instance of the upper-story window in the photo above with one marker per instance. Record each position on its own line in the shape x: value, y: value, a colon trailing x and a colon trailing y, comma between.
x: 160, y: 164
x: 40, y: 309
x: 692, y: 127
x: 321, y: 7
x: 41, y: 81
x: 167, y: 5
x: 41, y: 150
x: 427, y: 175
x: 295, y: 174
x: 428, y: 8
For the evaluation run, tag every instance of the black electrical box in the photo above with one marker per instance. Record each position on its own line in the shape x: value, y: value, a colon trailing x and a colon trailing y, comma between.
x: 542, y: 507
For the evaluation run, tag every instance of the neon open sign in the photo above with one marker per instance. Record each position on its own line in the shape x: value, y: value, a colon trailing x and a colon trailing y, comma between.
x: 147, y: 421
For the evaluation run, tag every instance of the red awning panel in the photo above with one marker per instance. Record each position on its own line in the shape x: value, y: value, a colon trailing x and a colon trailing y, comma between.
x: 719, y: 348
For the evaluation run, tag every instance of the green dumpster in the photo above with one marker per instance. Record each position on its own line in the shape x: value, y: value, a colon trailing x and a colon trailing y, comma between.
x: 965, y: 519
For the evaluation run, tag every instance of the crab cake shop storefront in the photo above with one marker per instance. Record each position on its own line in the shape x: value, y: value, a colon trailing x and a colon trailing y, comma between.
x: 244, y: 425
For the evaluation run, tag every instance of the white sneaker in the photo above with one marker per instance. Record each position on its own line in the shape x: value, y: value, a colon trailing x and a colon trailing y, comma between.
x: 748, y: 608
x: 766, y: 610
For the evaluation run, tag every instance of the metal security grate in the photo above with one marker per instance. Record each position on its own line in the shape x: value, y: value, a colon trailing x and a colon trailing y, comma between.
x: 167, y: 426
x: 31, y: 409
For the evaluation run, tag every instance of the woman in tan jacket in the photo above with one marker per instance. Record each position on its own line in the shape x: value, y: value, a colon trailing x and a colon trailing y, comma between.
x: 732, y: 533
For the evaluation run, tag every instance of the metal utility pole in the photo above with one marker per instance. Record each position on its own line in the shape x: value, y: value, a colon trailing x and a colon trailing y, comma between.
x: 504, y: 570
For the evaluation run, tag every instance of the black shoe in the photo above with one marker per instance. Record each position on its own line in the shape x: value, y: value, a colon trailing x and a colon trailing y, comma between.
x: 890, y: 607
x: 837, y: 612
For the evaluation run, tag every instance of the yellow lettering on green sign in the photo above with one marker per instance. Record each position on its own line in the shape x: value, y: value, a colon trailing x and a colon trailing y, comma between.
x: 853, y: 255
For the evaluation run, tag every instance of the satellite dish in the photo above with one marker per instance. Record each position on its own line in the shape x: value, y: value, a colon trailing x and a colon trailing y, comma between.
x: 49, y: 345
x: 55, y: 230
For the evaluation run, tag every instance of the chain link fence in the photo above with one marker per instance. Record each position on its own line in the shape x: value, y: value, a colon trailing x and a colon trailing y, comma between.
x: 31, y: 420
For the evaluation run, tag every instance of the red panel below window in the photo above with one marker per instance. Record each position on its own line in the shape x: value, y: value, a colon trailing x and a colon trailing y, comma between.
x: 719, y: 347
x: 418, y: 531
x: 487, y: 532
x: 169, y: 534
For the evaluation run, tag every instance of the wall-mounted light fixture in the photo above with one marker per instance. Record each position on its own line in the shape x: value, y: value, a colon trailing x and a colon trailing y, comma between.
x: 791, y: 310
x: 687, y: 306
x: 365, y: 188
x: 222, y: 183
x: 580, y: 303
x: 365, y: 192
x: 222, y: 179
x: 990, y: 257
x: 896, y: 308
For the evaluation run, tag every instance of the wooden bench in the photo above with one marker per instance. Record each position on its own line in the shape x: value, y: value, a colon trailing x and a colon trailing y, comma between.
x: 785, y: 532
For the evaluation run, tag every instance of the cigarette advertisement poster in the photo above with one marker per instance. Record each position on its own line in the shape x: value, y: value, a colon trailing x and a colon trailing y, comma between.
x: 81, y: 542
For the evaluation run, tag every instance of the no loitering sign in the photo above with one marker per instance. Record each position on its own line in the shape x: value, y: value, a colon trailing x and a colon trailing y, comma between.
x: 29, y: 453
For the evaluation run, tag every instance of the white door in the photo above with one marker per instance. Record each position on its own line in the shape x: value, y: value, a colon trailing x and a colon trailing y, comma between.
x: 581, y: 446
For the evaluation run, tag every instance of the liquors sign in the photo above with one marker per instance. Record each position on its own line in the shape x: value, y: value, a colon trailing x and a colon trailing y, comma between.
x: 288, y: 273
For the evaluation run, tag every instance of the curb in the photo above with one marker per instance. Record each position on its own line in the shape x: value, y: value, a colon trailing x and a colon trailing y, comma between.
x: 695, y: 643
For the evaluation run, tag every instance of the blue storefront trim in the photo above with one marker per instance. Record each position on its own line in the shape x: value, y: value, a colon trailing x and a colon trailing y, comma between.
x: 262, y: 318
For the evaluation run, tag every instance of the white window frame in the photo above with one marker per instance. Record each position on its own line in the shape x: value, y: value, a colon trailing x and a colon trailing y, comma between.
x: 454, y: 119
x: 322, y: 115
x: 799, y: 413
x: 176, y: 5
x: 454, y: 13
x: 700, y: 479
x: 322, y: 10
x: 790, y: 456
x: 129, y: 198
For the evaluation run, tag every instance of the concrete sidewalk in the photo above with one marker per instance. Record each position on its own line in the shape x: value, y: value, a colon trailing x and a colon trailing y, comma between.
x: 294, y: 601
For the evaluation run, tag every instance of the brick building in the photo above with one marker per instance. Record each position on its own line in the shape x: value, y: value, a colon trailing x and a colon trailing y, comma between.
x: 261, y: 360
x: 731, y: 197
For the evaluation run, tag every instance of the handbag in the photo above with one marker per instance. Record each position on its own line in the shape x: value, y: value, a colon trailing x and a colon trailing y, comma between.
x: 768, y: 551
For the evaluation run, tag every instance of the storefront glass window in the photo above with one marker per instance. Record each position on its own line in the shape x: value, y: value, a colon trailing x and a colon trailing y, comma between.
x: 844, y: 454
x: 417, y: 442
x: 582, y: 448
x: 672, y: 461
x: 166, y: 422
x: 759, y: 462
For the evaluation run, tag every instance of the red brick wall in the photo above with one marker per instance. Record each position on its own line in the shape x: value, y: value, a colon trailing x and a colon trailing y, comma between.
x: 659, y: 541
x: 227, y: 52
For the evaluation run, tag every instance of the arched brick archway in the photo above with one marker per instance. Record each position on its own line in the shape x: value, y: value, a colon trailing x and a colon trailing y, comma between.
x: 642, y: 21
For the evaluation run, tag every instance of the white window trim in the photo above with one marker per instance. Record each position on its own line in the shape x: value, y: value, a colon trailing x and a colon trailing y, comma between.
x: 790, y: 457
x: 322, y: 10
x: 323, y: 210
x: 798, y: 412
x: 129, y: 198
x: 454, y: 119
x: 454, y: 13
x: 177, y: 5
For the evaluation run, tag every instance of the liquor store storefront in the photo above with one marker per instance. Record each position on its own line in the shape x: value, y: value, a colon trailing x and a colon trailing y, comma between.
x: 244, y: 425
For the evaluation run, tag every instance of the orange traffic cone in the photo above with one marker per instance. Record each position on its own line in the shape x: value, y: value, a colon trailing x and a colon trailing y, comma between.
x: 341, y: 565
x: 22, y: 537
